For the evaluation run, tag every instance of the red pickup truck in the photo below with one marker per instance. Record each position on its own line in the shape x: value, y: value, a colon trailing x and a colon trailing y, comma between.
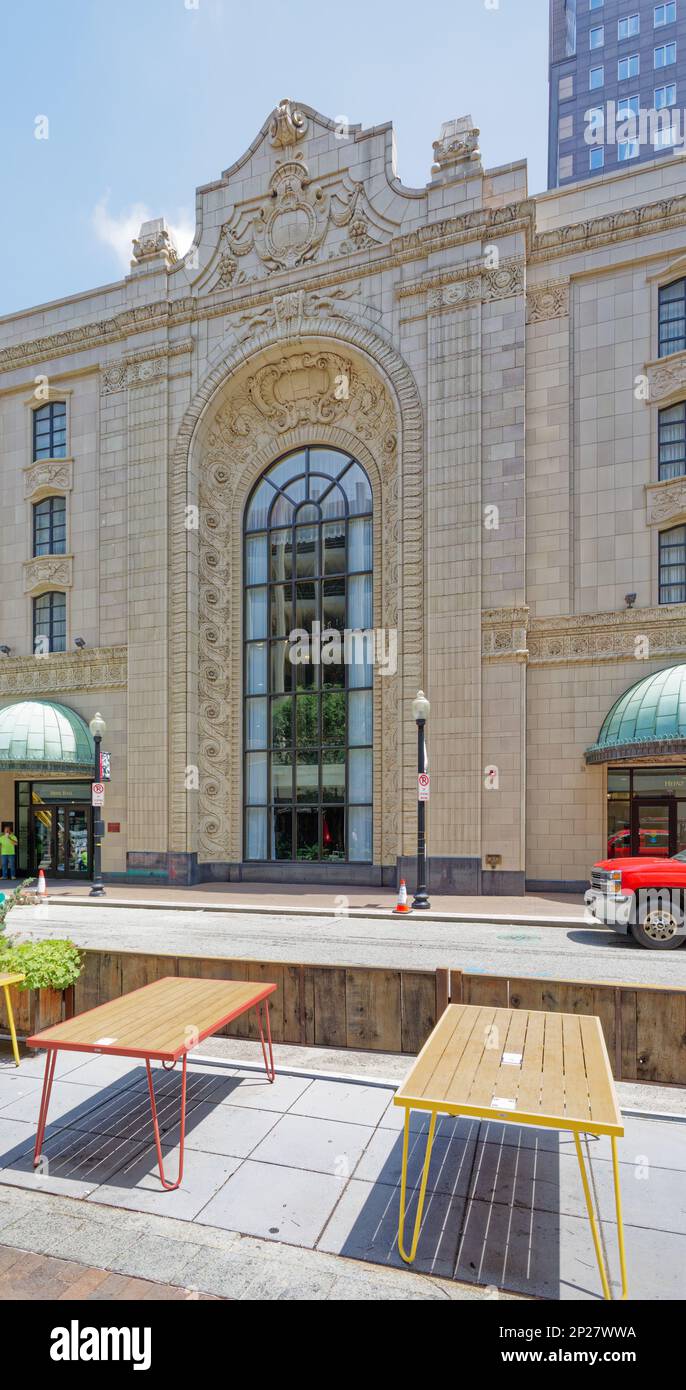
x: 643, y: 897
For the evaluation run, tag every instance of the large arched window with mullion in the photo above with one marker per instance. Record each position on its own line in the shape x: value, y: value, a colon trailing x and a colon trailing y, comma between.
x: 308, y: 703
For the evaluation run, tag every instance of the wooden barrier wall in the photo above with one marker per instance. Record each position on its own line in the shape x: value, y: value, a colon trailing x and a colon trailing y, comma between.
x: 394, y: 1010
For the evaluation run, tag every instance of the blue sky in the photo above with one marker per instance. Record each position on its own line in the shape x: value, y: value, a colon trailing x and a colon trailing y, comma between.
x: 145, y: 99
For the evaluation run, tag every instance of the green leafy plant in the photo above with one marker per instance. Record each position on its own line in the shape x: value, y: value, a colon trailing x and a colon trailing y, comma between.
x: 11, y: 899
x: 44, y: 964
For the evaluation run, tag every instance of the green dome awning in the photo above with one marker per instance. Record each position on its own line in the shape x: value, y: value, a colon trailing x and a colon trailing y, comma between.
x: 647, y: 721
x: 41, y: 736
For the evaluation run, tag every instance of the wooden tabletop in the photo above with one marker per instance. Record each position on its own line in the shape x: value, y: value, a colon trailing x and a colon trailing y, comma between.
x: 162, y: 1020
x: 516, y: 1064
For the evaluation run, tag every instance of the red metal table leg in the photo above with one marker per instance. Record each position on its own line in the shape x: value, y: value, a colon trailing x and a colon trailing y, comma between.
x: 268, y: 1065
x: 170, y: 1186
x: 44, y: 1103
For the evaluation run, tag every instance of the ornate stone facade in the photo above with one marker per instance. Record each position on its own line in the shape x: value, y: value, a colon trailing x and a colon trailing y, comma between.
x: 478, y: 351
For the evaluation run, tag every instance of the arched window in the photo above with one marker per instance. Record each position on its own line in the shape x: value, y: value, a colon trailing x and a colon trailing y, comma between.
x: 308, y: 687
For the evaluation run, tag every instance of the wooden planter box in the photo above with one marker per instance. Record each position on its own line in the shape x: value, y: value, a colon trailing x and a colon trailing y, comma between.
x: 35, y: 1009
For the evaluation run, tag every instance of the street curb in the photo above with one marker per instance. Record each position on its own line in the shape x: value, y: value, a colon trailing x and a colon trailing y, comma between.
x: 283, y: 910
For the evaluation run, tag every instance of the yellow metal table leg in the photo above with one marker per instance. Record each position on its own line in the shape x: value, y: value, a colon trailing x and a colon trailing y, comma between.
x: 620, y: 1223
x: 10, y: 1019
x: 422, y: 1190
x: 591, y: 1217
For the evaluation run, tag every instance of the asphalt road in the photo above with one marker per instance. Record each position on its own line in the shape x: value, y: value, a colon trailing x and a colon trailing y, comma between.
x: 571, y: 953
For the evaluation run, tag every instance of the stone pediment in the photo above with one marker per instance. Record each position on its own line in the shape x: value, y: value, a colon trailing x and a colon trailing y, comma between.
x: 301, y: 194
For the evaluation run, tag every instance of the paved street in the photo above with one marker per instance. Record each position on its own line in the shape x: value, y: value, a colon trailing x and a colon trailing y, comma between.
x: 582, y: 953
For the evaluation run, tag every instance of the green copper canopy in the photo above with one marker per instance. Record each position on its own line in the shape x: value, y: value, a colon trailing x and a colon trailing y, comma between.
x: 41, y: 736
x: 647, y: 721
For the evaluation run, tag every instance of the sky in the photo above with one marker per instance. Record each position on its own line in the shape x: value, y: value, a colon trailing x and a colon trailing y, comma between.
x: 113, y: 111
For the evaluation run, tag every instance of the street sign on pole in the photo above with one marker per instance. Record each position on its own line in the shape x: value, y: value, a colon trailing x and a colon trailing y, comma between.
x: 98, y: 794
x: 423, y: 786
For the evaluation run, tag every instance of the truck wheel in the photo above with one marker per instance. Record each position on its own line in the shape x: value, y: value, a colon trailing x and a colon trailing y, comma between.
x: 658, y: 929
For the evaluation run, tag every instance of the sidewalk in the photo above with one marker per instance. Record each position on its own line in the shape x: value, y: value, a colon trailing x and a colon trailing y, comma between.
x: 553, y: 909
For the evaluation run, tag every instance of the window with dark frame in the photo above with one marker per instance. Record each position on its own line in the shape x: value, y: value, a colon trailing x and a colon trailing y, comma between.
x: 308, y: 558
x: 672, y: 318
x: 673, y: 565
x: 50, y: 622
x: 50, y: 526
x: 50, y: 431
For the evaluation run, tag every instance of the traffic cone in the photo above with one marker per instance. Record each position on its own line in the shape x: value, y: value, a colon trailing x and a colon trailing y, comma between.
x: 402, y: 905
x: 41, y: 882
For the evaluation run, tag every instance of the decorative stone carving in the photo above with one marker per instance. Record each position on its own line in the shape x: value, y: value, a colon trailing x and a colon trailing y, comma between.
x: 548, y: 301
x: 141, y: 369
x: 461, y: 292
x: 608, y: 636
x: 154, y: 240
x: 47, y: 570
x: 624, y: 225
x: 504, y: 634
x: 301, y: 388
x: 229, y: 461
x: 46, y: 478
x: 666, y: 378
x: 507, y: 280
x: 666, y: 501
x: 458, y: 146
x: 103, y: 668
x: 289, y: 124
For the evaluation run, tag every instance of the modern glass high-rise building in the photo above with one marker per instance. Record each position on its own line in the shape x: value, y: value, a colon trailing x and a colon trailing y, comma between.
x: 617, y: 75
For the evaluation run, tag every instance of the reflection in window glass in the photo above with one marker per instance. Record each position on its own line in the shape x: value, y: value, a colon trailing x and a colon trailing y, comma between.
x: 308, y: 564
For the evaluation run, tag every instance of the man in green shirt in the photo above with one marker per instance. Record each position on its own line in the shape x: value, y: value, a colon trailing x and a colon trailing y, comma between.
x: 8, y: 845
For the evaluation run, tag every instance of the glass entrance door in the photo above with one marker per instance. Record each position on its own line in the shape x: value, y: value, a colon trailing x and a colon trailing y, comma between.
x: 654, y: 828
x: 60, y: 841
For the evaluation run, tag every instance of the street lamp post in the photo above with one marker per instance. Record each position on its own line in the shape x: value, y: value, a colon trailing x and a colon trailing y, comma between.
x: 420, y: 711
x: 98, y: 728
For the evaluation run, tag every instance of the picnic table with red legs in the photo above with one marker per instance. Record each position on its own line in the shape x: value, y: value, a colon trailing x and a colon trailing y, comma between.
x: 160, y: 1022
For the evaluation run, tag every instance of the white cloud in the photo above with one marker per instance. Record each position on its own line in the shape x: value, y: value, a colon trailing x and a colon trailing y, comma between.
x: 117, y: 230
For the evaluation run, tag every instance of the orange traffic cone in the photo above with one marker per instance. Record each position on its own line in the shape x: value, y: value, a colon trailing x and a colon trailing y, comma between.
x: 402, y: 905
x: 41, y: 882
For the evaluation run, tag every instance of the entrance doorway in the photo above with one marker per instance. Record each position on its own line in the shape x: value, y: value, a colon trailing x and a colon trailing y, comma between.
x: 646, y: 812
x: 59, y: 841
x: 55, y: 829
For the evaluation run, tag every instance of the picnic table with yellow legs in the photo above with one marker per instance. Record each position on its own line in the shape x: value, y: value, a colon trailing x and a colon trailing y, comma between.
x: 6, y: 981
x: 516, y: 1066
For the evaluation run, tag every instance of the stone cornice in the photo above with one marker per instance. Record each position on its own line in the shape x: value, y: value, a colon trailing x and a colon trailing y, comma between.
x: 623, y: 225
x: 509, y: 634
x: 137, y: 369
x: 433, y: 237
x: 102, y: 668
x: 633, y: 634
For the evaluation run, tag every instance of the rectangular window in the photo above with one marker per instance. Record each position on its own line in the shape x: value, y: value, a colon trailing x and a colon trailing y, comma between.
x: 627, y: 149
x: 673, y: 565
x: 665, y: 55
x: 672, y: 318
x: 627, y: 107
x: 595, y: 4
x: 664, y: 14
x: 596, y: 37
x: 50, y: 623
x: 596, y: 78
x: 672, y: 441
x: 629, y: 26
x: 596, y: 158
x: 50, y: 431
x: 628, y: 67
x: 50, y: 526
x: 665, y: 96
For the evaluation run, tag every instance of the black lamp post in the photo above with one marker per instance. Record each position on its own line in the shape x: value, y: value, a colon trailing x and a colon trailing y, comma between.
x: 97, y: 727
x: 420, y: 711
